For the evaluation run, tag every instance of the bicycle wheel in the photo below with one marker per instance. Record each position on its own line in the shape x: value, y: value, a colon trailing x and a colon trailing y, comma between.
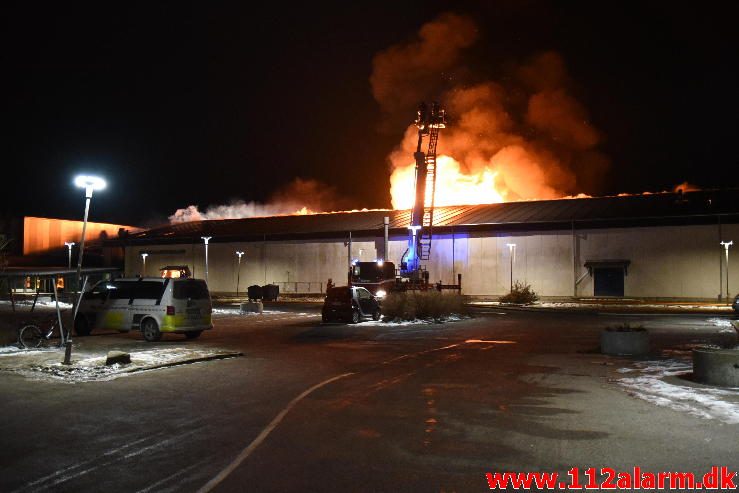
x: 30, y: 337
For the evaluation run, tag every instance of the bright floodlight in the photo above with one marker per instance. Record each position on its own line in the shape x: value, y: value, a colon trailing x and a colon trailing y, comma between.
x: 89, y: 183
x: 85, y: 181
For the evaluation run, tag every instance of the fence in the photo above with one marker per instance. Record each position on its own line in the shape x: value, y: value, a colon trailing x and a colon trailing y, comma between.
x: 300, y: 287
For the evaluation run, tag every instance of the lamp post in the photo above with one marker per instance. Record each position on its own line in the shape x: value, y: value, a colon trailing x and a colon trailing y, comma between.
x: 143, y: 267
x: 512, y: 254
x: 69, y: 245
x: 206, y: 239
x: 90, y: 184
x: 727, y: 245
x: 238, y: 272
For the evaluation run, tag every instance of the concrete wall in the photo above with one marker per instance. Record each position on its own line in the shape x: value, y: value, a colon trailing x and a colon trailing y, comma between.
x: 666, y: 262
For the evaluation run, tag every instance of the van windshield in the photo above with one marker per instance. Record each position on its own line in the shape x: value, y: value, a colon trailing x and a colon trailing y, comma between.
x: 339, y: 294
x: 193, y: 289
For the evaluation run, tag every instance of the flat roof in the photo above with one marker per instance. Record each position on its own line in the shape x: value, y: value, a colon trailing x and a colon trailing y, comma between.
x: 698, y: 207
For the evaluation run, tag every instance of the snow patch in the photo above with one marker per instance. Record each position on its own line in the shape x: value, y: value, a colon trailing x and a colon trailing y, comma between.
x: 94, y: 369
x: 707, y: 403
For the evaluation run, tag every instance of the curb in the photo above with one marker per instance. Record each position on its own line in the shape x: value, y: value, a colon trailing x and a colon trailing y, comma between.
x: 615, y: 310
x: 186, y: 362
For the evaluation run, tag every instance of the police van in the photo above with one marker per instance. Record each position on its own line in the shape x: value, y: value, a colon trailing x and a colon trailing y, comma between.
x: 152, y: 305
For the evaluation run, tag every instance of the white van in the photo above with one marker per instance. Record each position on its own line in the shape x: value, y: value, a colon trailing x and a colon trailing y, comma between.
x: 150, y: 304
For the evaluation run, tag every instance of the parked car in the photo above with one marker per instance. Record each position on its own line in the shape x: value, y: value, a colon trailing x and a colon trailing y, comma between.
x: 153, y: 305
x: 350, y: 304
x: 735, y: 305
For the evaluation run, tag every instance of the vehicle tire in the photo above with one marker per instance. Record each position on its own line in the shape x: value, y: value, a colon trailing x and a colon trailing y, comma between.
x: 30, y: 337
x: 355, y: 316
x: 81, y: 326
x: 193, y: 334
x: 150, y: 329
x: 377, y: 315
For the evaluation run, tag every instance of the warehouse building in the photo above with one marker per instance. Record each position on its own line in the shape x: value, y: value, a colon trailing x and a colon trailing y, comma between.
x: 664, y: 245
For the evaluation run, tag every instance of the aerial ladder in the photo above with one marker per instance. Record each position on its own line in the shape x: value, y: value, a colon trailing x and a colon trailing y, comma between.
x: 429, y: 120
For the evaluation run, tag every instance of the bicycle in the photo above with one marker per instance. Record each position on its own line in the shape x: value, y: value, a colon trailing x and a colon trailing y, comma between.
x: 31, y: 336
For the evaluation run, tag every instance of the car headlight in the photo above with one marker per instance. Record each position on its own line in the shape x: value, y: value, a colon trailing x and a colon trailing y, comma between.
x: 380, y: 293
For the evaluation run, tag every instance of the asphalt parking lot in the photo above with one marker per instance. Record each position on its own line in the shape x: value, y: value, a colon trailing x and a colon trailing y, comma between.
x: 371, y: 407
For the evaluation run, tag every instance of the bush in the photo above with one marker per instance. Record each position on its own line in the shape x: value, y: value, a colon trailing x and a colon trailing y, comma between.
x: 425, y: 305
x: 626, y: 328
x: 521, y: 294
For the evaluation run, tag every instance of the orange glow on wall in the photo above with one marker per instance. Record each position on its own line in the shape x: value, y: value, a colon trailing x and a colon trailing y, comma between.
x: 42, y: 234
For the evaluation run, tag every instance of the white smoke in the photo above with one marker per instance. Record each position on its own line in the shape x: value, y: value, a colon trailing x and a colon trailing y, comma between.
x: 236, y: 210
x: 301, y: 196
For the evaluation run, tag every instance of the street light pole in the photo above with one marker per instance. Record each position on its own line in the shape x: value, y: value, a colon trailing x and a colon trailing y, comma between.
x: 727, y: 245
x: 143, y: 268
x: 90, y: 184
x: 238, y: 272
x: 69, y: 245
x: 512, y: 254
x: 206, y: 239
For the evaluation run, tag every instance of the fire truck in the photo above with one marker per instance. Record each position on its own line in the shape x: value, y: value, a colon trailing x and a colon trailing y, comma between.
x: 382, y: 277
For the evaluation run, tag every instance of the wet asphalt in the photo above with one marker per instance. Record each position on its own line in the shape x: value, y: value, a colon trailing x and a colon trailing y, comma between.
x: 367, y: 407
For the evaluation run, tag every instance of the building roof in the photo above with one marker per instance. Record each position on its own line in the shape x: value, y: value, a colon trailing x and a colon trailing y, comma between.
x: 700, y: 207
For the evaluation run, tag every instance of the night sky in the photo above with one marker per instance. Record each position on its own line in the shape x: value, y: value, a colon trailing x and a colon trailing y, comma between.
x: 178, y: 104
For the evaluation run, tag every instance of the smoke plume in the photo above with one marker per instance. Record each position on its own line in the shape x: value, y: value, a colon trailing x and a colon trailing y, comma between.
x: 299, y: 197
x: 523, y: 136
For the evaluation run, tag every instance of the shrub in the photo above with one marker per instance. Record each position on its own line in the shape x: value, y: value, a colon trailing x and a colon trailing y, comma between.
x: 413, y: 305
x: 626, y: 328
x: 521, y: 294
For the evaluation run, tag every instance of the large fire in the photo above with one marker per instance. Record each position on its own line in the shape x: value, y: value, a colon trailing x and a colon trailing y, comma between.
x: 453, y: 186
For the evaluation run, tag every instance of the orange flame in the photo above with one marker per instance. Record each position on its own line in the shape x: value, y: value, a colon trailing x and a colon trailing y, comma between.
x: 453, y: 186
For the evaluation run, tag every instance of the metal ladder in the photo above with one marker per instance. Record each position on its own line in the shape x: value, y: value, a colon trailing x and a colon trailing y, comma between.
x: 424, y: 241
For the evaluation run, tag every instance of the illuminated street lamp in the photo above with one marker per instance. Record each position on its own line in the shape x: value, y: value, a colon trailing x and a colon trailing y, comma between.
x: 206, y: 239
x: 238, y: 272
x: 727, y: 245
x: 90, y: 184
x: 69, y: 245
x: 143, y: 267
x: 512, y: 252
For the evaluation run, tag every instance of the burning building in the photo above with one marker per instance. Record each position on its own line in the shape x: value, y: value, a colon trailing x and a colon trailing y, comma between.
x: 663, y: 245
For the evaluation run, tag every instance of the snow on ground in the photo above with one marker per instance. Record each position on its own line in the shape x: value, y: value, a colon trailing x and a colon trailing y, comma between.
x: 399, y: 323
x: 237, y: 311
x: 93, y: 368
x: 725, y: 325
x: 44, y: 303
x: 15, y: 349
x: 658, y: 382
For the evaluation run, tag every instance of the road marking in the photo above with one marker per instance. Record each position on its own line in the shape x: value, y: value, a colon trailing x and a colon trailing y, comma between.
x: 480, y: 341
x: 264, y: 434
x: 172, y: 476
x: 82, y: 464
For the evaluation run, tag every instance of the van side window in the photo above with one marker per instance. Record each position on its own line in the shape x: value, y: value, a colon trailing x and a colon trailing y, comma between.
x: 147, y: 290
x: 194, y: 289
x: 364, y: 294
x: 121, y: 290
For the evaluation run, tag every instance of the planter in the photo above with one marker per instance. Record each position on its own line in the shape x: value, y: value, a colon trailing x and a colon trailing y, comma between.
x: 714, y: 366
x: 252, y: 307
x: 624, y: 342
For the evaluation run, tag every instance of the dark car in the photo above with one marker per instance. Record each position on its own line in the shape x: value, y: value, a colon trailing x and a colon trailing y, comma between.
x: 350, y: 304
x: 735, y: 305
